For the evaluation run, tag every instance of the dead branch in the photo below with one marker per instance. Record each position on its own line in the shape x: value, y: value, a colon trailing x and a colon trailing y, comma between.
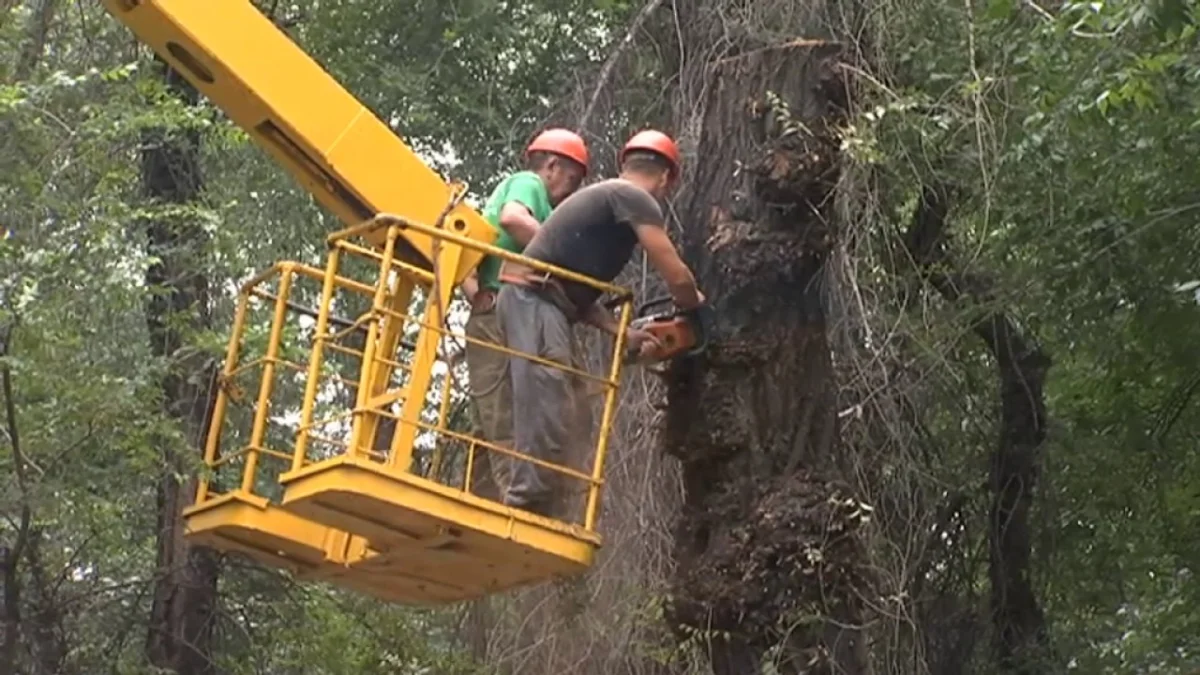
x: 607, y: 70
x: 1173, y: 408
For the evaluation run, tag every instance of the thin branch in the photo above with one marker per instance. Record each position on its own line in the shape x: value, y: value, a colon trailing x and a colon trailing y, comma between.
x: 1173, y: 409
x: 610, y: 65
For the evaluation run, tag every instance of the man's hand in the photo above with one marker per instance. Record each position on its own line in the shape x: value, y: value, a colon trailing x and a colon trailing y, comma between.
x: 687, y: 298
x: 640, y: 341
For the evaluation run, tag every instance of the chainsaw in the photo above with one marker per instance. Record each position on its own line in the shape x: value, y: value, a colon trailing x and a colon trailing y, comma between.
x: 680, y: 333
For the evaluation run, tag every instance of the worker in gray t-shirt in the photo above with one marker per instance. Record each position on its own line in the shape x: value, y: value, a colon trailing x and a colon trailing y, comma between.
x: 592, y: 232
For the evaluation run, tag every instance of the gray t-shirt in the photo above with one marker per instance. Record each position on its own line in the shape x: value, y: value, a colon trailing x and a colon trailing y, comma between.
x: 592, y: 233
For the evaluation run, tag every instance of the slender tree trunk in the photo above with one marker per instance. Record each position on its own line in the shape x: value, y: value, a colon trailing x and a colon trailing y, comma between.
x: 12, y: 610
x: 770, y: 562
x: 1019, y: 625
x: 182, y: 613
x: 12, y: 554
x: 47, y: 636
x: 35, y: 39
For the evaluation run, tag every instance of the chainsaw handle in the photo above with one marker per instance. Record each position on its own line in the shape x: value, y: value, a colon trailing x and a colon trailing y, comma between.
x: 615, y: 302
x: 641, y: 309
x: 655, y: 302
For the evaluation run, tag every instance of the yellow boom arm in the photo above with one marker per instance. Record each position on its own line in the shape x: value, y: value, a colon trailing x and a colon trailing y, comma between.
x: 337, y: 149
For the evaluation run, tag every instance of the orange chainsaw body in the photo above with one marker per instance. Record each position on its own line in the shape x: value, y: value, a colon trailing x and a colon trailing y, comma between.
x: 679, y: 333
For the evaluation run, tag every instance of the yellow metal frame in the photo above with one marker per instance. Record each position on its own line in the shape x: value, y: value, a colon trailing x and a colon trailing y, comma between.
x: 240, y: 519
x: 362, y: 518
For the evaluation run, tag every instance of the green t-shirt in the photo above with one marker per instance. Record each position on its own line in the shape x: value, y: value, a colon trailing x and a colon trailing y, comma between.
x: 526, y: 188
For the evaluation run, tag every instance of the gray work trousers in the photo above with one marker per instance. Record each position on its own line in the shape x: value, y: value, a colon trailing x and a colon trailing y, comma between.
x: 551, y: 417
x: 491, y: 389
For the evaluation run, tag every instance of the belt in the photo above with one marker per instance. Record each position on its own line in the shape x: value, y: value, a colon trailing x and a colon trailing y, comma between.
x: 526, y: 277
x: 546, y: 286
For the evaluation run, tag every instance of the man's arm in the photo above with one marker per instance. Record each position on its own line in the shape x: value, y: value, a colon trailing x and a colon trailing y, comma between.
x: 636, y: 339
x: 470, y: 285
x: 601, y: 318
x: 519, y: 222
x: 640, y: 211
x: 525, y: 193
x: 666, y: 261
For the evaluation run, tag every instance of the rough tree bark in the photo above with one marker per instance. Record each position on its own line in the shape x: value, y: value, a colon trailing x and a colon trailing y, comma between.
x: 181, y: 616
x: 770, y: 563
x: 1019, y: 625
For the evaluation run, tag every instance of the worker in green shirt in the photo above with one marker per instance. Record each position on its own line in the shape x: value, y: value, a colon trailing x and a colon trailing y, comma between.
x: 556, y: 163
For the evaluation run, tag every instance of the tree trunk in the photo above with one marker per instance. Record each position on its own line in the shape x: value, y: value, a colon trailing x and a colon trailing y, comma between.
x: 40, y: 18
x: 1018, y: 623
x: 182, y: 613
x: 770, y: 562
x: 12, y: 554
x: 47, y: 634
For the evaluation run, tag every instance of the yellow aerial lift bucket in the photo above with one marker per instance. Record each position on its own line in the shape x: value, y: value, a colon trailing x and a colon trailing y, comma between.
x: 299, y: 474
x: 365, y: 502
x: 434, y: 534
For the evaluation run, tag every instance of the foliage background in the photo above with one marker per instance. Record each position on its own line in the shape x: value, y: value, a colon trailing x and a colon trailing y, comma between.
x: 1068, y: 132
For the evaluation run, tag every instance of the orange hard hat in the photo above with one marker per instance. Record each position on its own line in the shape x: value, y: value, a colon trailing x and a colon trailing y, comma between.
x: 561, y: 142
x: 654, y: 141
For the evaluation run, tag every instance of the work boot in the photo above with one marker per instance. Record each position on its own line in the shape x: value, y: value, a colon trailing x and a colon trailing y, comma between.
x: 539, y: 506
